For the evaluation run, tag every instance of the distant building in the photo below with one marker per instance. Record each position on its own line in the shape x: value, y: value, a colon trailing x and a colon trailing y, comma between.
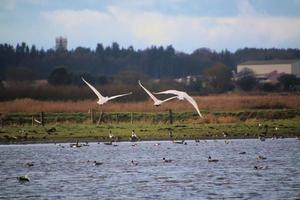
x: 271, y: 77
x: 61, y: 43
x: 267, y: 67
x: 188, y: 79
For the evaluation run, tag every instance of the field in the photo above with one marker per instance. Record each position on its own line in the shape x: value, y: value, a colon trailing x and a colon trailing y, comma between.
x: 238, y: 116
x: 227, y: 102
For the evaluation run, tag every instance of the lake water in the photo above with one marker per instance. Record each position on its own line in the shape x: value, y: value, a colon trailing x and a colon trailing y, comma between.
x: 60, y: 173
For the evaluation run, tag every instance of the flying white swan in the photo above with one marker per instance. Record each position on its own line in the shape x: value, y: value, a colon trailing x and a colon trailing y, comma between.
x: 157, y: 102
x: 102, y: 99
x: 181, y: 96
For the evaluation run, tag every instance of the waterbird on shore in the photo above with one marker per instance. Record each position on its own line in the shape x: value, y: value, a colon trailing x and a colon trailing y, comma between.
x: 133, y: 137
x: 111, y: 136
x: 225, y: 134
x: 157, y: 102
x: 37, y: 121
x: 51, y: 130
x: 183, y: 96
x: 178, y: 141
x: 24, y: 178
x: 57, y: 144
x: 274, y: 137
x: 76, y: 145
x: 102, y: 100
x: 86, y: 144
x: 170, y: 134
x: 212, y: 160
x: 261, y: 138
x: 108, y: 143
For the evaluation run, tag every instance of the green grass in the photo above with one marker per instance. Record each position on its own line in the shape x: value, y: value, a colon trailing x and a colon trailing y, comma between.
x: 70, y: 131
x: 159, y: 117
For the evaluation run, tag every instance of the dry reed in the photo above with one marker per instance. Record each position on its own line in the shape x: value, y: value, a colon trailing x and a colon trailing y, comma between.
x: 209, y: 103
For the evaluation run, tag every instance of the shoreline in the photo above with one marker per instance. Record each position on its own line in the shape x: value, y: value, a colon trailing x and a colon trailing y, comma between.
x: 237, y: 125
x: 90, y: 140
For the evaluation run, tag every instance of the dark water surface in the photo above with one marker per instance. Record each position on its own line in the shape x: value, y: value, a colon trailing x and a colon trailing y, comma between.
x: 65, y: 173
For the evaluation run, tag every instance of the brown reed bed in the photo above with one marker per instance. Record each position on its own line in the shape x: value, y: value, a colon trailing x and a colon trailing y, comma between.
x: 209, y: 103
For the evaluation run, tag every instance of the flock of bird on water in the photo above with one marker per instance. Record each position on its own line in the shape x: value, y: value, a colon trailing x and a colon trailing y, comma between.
x: 157, y: 102
x: 25, y: 178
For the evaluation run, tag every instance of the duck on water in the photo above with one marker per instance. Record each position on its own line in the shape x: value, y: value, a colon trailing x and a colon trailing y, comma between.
x: 212, y: 160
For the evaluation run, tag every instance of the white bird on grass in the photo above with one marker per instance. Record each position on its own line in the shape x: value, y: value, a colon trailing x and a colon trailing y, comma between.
x: 102, y: 99
x: 183, y: 96
x: 157, y: 102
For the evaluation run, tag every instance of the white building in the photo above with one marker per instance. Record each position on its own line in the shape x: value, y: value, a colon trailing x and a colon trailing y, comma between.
x: 265, y: 67
x: 61, y: 43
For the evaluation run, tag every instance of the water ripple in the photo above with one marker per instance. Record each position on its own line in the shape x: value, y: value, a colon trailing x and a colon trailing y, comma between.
x: 60, y: 173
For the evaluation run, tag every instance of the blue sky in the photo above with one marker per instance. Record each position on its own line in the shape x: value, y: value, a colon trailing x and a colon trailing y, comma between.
x: 185, y: 24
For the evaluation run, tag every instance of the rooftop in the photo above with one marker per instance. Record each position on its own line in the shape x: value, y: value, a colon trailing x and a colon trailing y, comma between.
x: 267, y: 62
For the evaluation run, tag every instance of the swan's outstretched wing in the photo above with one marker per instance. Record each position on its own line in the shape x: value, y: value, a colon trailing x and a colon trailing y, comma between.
x: 194, y: 103
x: 168, y: 99
x: 182, y: 95
x: 94, y: 89
x: 120, y: 95
x: 176, y: 92
x: 148, y: 92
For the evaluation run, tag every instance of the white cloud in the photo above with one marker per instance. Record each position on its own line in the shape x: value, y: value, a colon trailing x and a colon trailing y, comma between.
x: 186, y: 33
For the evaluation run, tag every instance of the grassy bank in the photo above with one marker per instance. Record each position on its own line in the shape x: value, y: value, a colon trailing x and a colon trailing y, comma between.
x: 236, y: 114
x: 150, y: 117
x: 18, y: 127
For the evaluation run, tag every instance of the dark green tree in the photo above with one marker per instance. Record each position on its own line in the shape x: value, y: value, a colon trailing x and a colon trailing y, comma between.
x: 20, y: 74
x: 99, y: 49
x: 155, y: 61
x: 246, y: 79
x: 269, y: 87
x: 59, y: 76
x: 287, y: 81
x: 219, y: 78
x: 115, y: 49
x: 1, y: 84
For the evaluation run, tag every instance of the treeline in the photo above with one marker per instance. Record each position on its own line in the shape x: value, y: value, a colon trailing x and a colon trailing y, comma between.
x: 62, y: 85
x: 116, y: 70
x: 24, y: 62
